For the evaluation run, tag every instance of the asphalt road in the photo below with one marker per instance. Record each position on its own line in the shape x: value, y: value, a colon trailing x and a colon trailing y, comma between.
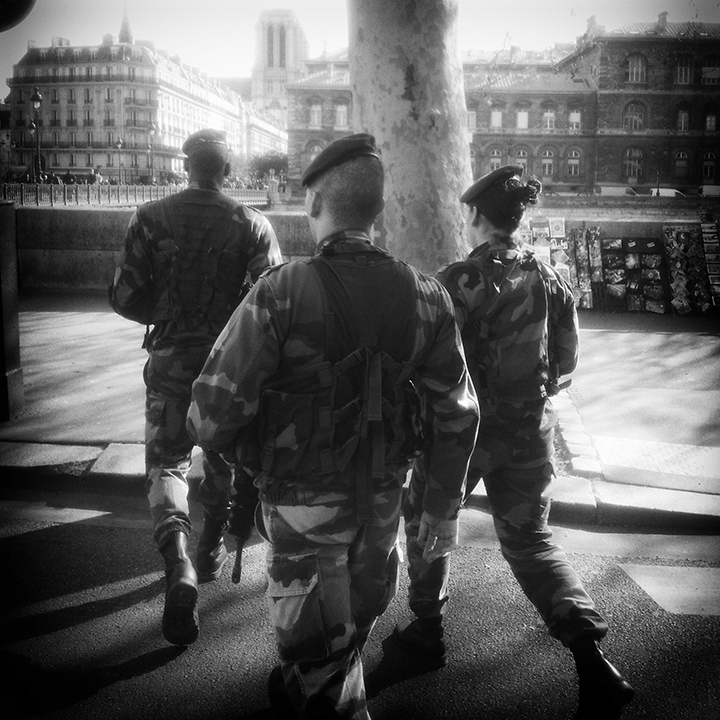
x: 83, y: 595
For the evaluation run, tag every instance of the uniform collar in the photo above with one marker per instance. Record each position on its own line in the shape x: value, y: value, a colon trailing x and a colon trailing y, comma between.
x: 345, y: 241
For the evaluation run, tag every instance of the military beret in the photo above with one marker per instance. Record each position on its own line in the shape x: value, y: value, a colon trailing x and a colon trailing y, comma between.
x: 487, y: 181
x: 339, y: 152
x: 208, y: 141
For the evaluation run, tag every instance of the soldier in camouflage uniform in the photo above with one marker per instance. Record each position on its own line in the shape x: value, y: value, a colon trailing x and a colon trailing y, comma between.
x: 519, y: 327
x: 182, y: 271
x: 319, y: 383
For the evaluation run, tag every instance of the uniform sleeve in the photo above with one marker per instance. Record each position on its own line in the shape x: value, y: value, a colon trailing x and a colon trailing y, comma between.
x: 267, y: 251
x: 452, y: 417
x: 226, y: 394
x: 131, y: 292
x: 565, y: 331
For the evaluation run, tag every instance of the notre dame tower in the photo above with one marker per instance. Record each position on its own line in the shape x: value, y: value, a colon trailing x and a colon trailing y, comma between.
x: 281, y: 48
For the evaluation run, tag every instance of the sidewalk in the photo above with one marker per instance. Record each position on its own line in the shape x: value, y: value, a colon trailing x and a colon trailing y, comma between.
x: 84, y: 398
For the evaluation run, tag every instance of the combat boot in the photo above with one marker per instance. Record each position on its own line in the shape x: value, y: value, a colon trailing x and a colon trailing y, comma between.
x: 603, y: 690
x: 180, y: 616
x: 211, y: 551
x: 423, y: 637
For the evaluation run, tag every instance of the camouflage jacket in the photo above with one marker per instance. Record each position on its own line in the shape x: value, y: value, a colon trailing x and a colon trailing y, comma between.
x: 518, y: 321
x: 280, y: 330
x: 185, y: 262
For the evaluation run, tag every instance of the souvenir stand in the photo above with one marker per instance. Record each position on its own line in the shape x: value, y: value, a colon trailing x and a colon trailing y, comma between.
x: 666, y: 269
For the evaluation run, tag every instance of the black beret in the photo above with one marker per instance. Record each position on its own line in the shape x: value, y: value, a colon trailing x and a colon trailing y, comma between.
x: 492, y: 178
x: 338, y: 152
x: 208, y: 141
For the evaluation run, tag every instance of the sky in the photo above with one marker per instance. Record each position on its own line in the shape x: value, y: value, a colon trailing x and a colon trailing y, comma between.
x: 218, y: 36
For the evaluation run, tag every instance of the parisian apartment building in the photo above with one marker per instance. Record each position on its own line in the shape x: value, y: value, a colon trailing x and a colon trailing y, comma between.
x: 122, y: 109
x: 635, y: 106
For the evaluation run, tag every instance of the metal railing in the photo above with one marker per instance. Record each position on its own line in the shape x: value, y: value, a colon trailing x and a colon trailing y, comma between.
x: 51, y: 195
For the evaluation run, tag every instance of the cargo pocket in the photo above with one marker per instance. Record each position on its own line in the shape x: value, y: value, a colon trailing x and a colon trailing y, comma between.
x: 391, y: 581
x: 296, y: 608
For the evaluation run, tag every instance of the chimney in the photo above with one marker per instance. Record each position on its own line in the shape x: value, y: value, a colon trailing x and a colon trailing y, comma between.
x: 662, y: 21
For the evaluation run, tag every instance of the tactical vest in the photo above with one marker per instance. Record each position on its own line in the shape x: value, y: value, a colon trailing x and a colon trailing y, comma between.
x: 508, y: 337
x: 363, y: 409
x: 196, y: 284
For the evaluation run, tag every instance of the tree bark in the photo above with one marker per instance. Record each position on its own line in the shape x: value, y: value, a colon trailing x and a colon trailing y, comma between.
x: 407, y: 83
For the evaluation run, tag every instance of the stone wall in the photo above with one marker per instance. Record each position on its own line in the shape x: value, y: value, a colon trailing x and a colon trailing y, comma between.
x: 75, y: 248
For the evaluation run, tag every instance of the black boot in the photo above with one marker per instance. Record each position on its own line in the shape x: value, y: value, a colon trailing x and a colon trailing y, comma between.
x: 180, y: 617
x: 423, y: 638
x: 603, y: 690
x: 211, y: 550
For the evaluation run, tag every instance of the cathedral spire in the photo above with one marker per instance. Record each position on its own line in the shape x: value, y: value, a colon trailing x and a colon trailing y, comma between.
x: 126, y: 35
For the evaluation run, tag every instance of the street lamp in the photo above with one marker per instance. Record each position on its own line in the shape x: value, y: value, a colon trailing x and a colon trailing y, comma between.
x: 119, y: 145
x: 151, y: 133
x: 36, y: 99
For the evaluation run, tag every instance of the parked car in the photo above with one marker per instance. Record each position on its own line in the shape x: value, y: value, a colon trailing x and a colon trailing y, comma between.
x: 615, y: 190
x: 666, y: 192
x: 710, y: 190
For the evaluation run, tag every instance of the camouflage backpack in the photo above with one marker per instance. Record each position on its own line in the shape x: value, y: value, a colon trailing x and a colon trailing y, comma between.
x: 363, y: 408
x: 508, y: 338
x: 200, y: 286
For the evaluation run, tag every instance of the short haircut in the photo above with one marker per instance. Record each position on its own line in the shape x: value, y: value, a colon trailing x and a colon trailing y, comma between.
x: 504, y: 204
x: 353, y: 191
x: 207, y: 164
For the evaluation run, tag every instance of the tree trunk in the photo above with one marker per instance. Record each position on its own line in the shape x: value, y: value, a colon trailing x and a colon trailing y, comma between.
x: 407, y: 83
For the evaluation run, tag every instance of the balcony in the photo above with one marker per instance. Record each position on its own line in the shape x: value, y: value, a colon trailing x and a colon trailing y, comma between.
x: 88, y: 123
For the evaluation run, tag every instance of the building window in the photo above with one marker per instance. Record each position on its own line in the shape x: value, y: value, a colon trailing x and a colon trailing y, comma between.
x: 283, y: 54
x: 341, y: 116
x: 683, y: 120
x: 71, y: 96
x: 681, y: 164
x: 54, y: 99
x: 634, y: 117
x: 496, y: 119
x: 471, y: 120
x: 88, y: 73
x: 107, y: 118
x: 636, y: 69
x: 495, y: 160
x: 711, y: 71
x: 73, y: 139
x: 574, y: 120
x: 522, y: 120
x: 56, y: 139
x: 633, y: 162
x: 131, y: 74
x: 88, y: 119
x: 521, y: 158
x: 54, y: 118
x: 108, y: 95
x: 708, y: 167
x: 315, y: 115
x: 90, y: 139
x: 549, y: 120
x: 71, y: 73
x: 72, y: 120
x: 711, y: 121
x: 73, y: 161
x: 109, y: 139
x: 573, y: 163
x: 270, y: 46
x: 547, y: 163
x: 88, y: 96
x: 683, y: 70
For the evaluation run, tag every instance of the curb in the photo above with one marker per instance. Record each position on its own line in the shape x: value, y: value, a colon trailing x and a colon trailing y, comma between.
x: 583, y: 498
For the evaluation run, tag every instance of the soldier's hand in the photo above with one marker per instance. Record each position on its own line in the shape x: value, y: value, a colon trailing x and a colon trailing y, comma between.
x: 439, y: 536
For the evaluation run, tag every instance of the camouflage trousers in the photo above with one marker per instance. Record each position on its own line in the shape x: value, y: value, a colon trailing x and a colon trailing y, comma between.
x: 168, y: 447
x: 514, y: 457
x: 330, y: 576
x: 428, y: 591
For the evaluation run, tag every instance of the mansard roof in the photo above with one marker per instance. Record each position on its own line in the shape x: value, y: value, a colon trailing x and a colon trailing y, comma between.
x: 529, y: 81
x: 681, y: 31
